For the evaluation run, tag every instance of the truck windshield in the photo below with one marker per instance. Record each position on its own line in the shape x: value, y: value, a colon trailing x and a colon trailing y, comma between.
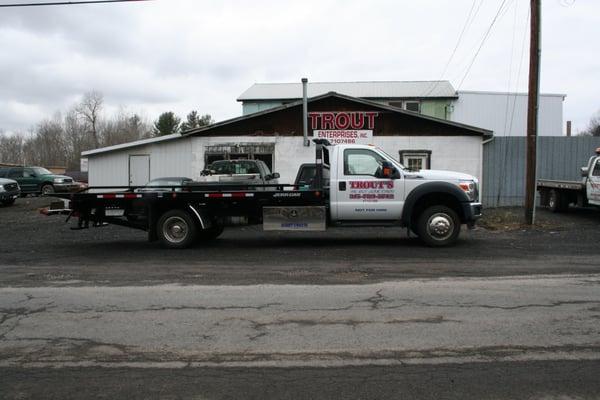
x: 233, y: 168
x: 41, y: 171
x: 392, y: 159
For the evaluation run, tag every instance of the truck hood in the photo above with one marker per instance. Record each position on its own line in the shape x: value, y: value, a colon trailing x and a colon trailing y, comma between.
x: 434, y: 174
x: 4, y: 181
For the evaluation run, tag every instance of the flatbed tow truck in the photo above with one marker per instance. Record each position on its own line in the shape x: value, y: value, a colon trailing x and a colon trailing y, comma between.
x: 366, y: 187
x: 558, y: 195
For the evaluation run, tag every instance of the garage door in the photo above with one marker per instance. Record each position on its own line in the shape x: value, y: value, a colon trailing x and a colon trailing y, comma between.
x: 139, y: 170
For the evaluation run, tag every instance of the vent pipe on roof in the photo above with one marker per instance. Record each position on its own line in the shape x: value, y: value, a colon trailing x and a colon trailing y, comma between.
x: 305, y: 111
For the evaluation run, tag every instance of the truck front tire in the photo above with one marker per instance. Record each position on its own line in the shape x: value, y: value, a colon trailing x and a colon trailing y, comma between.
x: 438, y: 226
x: 176, y: 229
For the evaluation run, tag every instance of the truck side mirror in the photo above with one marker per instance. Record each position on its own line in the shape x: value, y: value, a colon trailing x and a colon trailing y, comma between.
x: 388, y: 171
x: 274, y: 175
x: 584, y: 172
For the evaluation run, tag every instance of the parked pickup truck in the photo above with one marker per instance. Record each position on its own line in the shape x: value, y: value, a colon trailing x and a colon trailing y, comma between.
x: 367, y: 187
x: 558, y: 195
x: 9, y: 191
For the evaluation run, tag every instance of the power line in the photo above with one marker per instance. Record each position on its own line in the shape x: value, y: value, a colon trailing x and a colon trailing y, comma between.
x: 66, y: 3
x: 466, y: 26
x: 487, y: 33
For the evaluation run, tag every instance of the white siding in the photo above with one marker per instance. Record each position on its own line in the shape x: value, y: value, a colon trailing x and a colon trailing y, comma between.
x: 452, y: 153
x: 494, y: 111
x: 185, y: 157
x: 172, y: 158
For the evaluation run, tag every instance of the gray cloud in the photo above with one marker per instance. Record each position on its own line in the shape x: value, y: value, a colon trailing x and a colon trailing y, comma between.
x: 184, y: 54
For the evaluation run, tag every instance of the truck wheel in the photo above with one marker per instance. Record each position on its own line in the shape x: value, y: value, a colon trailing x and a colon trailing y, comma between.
x: 557, y: 202
x: 211, y: 233
x: 47, y: 189
x: 438, y: 226
x: 8, y: 202
x: 176, y: 229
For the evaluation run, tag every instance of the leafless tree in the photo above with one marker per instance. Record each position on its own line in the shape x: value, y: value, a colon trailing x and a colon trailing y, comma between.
x: 11, y: 148
x: 89, y: 111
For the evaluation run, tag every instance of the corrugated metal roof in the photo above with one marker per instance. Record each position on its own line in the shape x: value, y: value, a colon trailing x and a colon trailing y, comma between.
x: 131, y: 144
x: 368, y: 90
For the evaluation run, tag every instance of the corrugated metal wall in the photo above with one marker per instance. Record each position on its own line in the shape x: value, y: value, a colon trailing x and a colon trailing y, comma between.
x: 503, y: 181
x: 506, y: 114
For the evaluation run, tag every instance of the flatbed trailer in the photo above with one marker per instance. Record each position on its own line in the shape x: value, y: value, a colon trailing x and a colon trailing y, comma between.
x: 363, y: 187
x: 557, y: 195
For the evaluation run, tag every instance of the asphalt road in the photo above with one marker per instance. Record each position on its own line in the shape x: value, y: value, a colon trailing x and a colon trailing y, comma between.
x: 38, y: 250
x: 353, y: 314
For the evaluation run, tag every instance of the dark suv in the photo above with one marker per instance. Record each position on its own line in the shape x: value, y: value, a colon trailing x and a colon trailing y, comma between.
x: 38, y: 180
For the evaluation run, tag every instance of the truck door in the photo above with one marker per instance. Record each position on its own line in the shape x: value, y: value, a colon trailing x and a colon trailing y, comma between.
x: 593, y: 183
x: 361, y: 194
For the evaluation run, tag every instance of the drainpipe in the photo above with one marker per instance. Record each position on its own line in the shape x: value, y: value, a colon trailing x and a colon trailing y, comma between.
x: 305, y: 111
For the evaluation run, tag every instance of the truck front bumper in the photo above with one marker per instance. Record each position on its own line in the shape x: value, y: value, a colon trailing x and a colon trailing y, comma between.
x: 6, y: 196
x: 471, y: 212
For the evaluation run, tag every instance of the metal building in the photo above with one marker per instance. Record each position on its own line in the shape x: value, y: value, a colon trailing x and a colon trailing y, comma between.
x: 504, y: 113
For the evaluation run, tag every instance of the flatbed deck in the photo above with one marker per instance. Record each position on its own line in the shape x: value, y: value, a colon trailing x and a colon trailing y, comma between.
x: 556, y: 184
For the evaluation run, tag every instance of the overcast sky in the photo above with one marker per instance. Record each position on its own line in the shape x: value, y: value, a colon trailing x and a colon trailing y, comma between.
x: 179, y: 55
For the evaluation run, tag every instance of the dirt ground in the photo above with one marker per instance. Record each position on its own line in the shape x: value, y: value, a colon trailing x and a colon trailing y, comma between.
x: 38, y: 250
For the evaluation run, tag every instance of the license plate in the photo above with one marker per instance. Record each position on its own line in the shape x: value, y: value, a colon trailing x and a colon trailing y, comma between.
x: 113, y: 212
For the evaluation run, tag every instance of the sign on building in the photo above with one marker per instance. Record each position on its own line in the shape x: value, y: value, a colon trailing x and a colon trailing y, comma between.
x: 344, y: 127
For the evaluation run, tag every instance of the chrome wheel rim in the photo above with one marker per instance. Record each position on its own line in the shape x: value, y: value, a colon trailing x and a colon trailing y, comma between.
x: 175, y: 229
x: 440, y: 226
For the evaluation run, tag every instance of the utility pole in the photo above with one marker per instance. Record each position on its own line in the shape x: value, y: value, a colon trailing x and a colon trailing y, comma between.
x: 532, y: 110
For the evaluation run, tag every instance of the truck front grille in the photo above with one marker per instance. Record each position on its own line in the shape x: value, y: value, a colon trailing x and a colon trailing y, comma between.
x: 11, y: 187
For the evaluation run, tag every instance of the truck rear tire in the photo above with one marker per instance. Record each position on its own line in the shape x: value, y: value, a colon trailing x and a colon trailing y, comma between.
x: 438, y: 226
x: 557, y: 201
x: 176, y: 229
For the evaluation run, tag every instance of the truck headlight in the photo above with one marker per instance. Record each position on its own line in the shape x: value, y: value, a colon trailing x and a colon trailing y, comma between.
x: 470, y: 189
x: 2, y: 189
x: 59, y: 180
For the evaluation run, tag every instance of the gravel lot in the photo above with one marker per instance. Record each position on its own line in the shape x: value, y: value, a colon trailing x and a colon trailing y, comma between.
x: 38, y: 250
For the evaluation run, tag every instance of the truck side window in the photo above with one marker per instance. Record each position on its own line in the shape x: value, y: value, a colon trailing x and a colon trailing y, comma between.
x: 361, y: 162
x: 16, y: 173
x: 596, y: 171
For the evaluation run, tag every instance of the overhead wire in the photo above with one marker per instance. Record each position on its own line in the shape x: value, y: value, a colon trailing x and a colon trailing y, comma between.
x: 507, y: 147
x: 67, y: 3
x: 483, y: 40
x: 466, y: 26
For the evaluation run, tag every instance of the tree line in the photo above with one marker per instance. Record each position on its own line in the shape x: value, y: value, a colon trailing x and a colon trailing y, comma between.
x: 59, y: 141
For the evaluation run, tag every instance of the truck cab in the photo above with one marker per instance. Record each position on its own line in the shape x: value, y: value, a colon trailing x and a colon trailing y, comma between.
x: 591, y: 179
x: 369, y: 187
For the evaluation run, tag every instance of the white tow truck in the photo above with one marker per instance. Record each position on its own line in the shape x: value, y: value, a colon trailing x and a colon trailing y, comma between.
x: 558, y: 195
x: 365, y: 187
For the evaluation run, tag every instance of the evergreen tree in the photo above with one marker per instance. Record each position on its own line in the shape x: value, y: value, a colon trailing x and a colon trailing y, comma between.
x: 166, y: 124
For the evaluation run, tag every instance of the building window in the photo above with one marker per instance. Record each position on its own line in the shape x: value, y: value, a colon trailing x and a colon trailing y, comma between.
x: 416, y: 160
x: 414, y: 106
x: 241, y: 151
x: 409, y: 105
